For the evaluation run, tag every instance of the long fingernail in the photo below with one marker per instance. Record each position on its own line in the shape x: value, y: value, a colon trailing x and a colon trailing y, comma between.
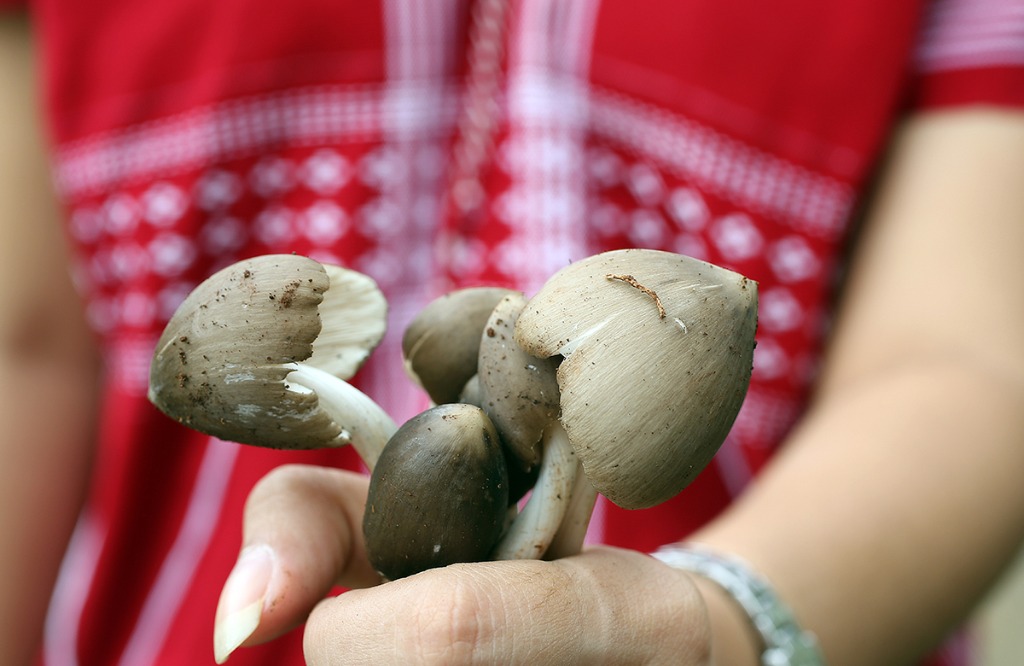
x: 241, y: 601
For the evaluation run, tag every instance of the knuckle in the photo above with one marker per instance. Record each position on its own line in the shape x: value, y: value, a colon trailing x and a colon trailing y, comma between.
x: 450, y: 627
x: 290, y: 485
x: 279, y: 480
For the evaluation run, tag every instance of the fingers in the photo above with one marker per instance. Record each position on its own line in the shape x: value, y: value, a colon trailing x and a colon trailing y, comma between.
x: 302, y: 536
x: 604, y: 606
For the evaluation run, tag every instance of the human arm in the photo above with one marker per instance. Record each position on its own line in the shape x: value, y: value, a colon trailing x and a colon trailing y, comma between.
x: 898, y: 501
x: 893, y: 506
x: 47, y: 364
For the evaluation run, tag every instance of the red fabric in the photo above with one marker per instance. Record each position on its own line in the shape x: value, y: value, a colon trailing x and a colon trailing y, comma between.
x: 190, y: 134
x: 960, y: 87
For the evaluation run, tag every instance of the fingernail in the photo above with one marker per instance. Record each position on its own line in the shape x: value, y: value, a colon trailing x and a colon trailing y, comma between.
x: 241, y: 601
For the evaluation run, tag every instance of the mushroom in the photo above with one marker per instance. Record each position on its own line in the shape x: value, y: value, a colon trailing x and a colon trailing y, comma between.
x: 657, y: 351
x: 517, y: 390
x: 441, y: 344
x: 441, y: 348
x: 242, y: 358
x: 438, y: 494
x: 520, y: 394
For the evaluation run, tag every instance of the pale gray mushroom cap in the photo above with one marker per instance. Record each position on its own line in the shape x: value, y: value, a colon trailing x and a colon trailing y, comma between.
x: 516, y: 389
x: 222, y: 363
x: 441, y: 344
x: 647, y: 397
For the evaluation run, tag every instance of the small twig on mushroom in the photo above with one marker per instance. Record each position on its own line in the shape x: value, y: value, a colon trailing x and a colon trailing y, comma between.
x: 633, y: 282
x: 638, y: 442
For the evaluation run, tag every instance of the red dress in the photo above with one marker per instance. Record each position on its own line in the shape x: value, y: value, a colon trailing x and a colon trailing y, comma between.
x: 188, y: 134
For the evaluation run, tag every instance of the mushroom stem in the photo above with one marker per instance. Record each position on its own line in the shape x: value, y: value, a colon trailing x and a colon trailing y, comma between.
x: 568, y: 540
x: 363, y: 422
x: 534, y: 528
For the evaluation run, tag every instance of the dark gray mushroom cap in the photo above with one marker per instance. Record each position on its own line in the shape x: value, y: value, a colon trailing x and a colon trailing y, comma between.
x: 658, y: 353
x: 441, y: 344
x: 222, y: 362
x: 438, y: 494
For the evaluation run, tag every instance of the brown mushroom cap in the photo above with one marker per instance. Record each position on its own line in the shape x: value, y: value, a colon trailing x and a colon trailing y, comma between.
x: 441, y: 344
x: 220, y: 366
x: 658, y: 352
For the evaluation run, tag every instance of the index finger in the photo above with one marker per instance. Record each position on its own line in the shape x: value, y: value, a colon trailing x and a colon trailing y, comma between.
x: 302, y: 536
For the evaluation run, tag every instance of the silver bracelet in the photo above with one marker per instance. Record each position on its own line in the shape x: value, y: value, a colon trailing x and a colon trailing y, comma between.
x: 785, y: 642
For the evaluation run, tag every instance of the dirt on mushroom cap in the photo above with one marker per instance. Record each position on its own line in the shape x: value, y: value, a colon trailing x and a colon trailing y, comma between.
x: 221, y: 363
x: 647, y: 398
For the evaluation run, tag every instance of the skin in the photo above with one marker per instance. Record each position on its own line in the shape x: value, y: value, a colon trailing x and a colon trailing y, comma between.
x: 912, y: 451
x: 471, y: 613
x: 47, y: 365
x: 891, y: 512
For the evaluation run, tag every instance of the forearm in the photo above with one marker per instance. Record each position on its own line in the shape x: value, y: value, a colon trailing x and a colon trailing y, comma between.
x: 47, y: 446
x: 48, y: 365
x: 898, y: 500
x: 892, y: 510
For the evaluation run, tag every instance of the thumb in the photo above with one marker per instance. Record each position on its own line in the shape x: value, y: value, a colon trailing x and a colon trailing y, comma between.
x: 302, y: 536
x: 602, y: 606
x: 460, y: 614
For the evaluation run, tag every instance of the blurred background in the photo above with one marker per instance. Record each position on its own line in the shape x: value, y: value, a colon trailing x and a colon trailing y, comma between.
x: 1001, y: 621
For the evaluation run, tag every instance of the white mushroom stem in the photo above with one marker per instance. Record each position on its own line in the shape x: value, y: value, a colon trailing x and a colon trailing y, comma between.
x: 363, y: 422
x: 573, y: 530
x: 534, y: 528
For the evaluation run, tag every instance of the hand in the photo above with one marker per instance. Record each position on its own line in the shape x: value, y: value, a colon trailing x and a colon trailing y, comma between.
x: 303, y: 535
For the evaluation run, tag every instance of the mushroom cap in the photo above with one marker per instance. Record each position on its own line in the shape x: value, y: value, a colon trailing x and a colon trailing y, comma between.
x: 517, y: 390
x: 438, y: 494
x: 441, y: 344
x: 647, y: 399
x: 221, y: 363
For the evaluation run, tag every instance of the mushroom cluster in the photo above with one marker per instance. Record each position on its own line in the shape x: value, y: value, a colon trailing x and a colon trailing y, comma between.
x: 621, y: 376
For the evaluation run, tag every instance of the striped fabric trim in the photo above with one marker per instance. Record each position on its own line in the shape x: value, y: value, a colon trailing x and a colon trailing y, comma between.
x: 966, y: 34
x: 77, y: 572
x: 165, y: 597
x: 547, y: 110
